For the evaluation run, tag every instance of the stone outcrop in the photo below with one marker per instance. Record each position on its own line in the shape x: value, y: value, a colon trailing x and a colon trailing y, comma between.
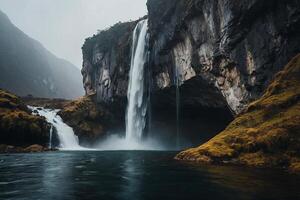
x: 89, y: 119
x: 18, y: 127
x: 266, y: 134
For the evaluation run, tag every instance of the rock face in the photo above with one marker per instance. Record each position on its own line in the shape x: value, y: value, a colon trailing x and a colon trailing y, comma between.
x: 236, y: 46
x: 18, y: 127
x: 266, y: 134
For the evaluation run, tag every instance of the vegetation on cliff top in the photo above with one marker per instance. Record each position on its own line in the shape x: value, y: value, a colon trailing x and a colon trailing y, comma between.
x: 18, y: 126
x: 266, y: 134
x: 108, y: 38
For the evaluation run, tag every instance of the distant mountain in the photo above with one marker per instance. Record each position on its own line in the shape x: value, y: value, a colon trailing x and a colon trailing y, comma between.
x: 26, y: 67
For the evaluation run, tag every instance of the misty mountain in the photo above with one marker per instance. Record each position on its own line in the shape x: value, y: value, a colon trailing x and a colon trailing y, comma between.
x: 26, y: 67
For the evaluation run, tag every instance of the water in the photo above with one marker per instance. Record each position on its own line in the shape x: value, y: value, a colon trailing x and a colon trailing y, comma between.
x: 135, y: 175
x: 137, y: 103
x: 68, y: 140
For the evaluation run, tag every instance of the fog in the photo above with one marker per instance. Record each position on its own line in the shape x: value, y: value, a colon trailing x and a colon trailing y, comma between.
x: 62, y: 25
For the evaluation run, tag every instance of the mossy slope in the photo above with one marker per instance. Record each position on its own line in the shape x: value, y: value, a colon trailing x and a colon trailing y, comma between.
x: 266, y: 134
x: 18, y: 126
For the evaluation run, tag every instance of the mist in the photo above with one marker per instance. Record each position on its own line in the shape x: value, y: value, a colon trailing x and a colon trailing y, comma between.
x: 62, y: 26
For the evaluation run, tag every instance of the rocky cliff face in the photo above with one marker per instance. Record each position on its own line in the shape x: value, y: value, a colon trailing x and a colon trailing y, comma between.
x: 237, y: 46
x: 106, y: 62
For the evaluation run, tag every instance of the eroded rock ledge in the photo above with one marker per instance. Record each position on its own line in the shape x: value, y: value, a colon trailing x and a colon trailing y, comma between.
x: 266, y: 134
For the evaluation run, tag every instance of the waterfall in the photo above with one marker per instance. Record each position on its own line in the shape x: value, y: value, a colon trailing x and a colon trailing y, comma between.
x: 177, y: 83
x: 50, y: 137
x: 137, y: 103
x: 68, y: 140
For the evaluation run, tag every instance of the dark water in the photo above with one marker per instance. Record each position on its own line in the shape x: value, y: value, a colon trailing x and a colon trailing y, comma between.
x: 135, y: 175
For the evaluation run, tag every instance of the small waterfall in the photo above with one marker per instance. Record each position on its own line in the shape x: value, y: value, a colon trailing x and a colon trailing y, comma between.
x: 177, y: 83
x: 68, y: 140
x: 50, y: 137
x: 137, y: 103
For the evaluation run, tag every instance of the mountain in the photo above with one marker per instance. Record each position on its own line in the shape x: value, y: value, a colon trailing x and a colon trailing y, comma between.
x: 27, y: 68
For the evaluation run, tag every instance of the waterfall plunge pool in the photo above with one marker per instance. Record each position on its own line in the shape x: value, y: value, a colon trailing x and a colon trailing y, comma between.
x: 135, y: 175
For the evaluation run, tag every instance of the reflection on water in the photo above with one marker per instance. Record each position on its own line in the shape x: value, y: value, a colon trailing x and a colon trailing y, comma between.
x: 135, y: 175
x: 56, y: 173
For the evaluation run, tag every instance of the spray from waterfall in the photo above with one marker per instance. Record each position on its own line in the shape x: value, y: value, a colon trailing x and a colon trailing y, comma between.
x: 68, y: 140
x: 137, y: 102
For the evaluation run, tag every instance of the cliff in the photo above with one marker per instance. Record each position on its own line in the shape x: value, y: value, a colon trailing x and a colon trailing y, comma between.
x: 221, y: 53
x: 27, y: 68
x: 106, y: 62
x: 235, y: 47
x: 266, y: 134
x: 18, y: 127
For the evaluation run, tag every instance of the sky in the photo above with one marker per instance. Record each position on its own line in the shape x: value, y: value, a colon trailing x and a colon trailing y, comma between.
x: 62, y: 25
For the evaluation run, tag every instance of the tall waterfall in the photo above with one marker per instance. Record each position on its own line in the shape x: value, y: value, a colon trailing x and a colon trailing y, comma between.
x: 68, y: 140
x: 137, y: 103
x: 177, y: 83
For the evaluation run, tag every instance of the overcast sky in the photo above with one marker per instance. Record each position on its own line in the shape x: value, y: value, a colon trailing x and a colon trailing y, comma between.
x: 62, y: 25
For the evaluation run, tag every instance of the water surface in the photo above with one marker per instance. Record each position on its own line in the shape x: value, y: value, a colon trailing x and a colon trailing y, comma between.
x: 135, y: 175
